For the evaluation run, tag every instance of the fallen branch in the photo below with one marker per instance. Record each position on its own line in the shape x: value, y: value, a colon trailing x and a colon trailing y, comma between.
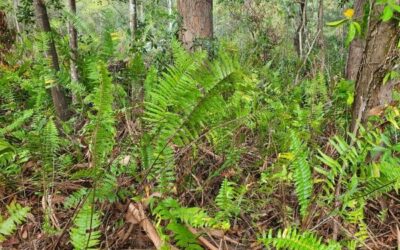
x: 203, y: 240
x: 398, y: 236
x: 136, y: 215
x: 220, y: 234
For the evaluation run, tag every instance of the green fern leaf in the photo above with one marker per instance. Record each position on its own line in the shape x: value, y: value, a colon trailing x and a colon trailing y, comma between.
x: 17, y: 123
x: 7, y: 152
x: 102, y: 124
x: 226, y: 200
x: 189, y: 95
x: 17, y: 215
x: 84, y: 234
x: 301, y: 174
x: 294, y: 240
x: 183, y: 237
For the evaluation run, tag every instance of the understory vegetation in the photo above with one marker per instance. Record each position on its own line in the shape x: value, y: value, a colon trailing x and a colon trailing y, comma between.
x: 243, y: 140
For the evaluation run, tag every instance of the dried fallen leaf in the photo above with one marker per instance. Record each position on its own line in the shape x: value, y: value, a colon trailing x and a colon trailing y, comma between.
x: 125, y: 161
x: 24, y: 234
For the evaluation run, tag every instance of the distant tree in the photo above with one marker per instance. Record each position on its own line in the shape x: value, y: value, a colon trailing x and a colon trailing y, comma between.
x: 133, y: 17
x: 59, y: 98
x: 170, y: 6
x: 300, y: 37
x: 321, y: 38
x: 197, y: 21
x: 6, y: 36
x: 15, y: 12
x: 73, y: 46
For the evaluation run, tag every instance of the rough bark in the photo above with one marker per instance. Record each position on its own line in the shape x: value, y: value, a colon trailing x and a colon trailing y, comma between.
x: 7, y: 37
x: 197, y: 20
x: 73, y: 47
x: 357, y: 45
x: 133, y: 17
x: 380, y: 56
x: 299, y: 39
x: 59, y: 98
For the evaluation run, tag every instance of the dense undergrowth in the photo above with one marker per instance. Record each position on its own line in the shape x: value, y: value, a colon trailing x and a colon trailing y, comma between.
x: 210, y: 143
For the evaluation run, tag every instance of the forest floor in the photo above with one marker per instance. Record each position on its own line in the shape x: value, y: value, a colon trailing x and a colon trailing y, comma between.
x: 135, y: 226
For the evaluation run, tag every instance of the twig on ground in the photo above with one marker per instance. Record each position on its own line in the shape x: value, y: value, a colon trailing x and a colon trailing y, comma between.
x: 136, y: 215
x: 203, y: 240
x: 398, y: 237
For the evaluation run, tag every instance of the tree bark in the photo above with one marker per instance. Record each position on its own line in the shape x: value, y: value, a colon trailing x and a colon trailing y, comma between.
x: 321, y: 38
x: 73, y: 46
x: 141, y: 14
x: 17, y: 25
x: 170, y: 4
x: 299, y: 39
x: 380, y: 56
x: 59, y: 98
x: 357, y: 45
x: 7, y: 37
x: 133, y: 17
x: 197, y: 20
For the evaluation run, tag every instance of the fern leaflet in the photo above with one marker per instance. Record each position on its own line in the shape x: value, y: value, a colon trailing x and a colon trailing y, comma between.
x: 17, y: 214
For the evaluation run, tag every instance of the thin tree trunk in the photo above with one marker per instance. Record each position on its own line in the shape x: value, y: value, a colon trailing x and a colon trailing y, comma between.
x: 170, y: 14
x: 321, y: 38
x: 197, y: 21
x: 141, y: 13
x: 380, y: 56
x: 299, y: 39
x: 17, y: 25
x: 73, y: 46
x: 7, y: 37
x: 133, y: 17
x: 59, y: 99
x: 357, y: 45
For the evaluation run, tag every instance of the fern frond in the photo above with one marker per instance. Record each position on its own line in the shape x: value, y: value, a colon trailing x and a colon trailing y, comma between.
x: 183, y: 237
x: 17, y: 123
x: 294, y: 240
x: 355, y: 215
x: 49, y: 144
x: 226, y: 200
x: 301, y: 174
x: 170, y: 209
x: 102, y: 124
x: 17, y: 215
x: 85, y: 234
x: 189, y: 95
x: 388, y: 179
x: 107, y: 189
x: 7, y: 152
x: 75, y: 198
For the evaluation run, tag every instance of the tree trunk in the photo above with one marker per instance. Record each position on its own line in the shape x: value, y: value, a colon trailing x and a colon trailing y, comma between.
x: 17, y: 25
x: 7, y: 37
x: 133, y: 17
x: 197, y: 21
x: 380, y: 56
x: 141, y: 14
x: 73, y: 47
x: 321, y: 38
x: 57, y: 93
x: 357, y: 45
x: 170, y: 14
x: 299, y: 39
